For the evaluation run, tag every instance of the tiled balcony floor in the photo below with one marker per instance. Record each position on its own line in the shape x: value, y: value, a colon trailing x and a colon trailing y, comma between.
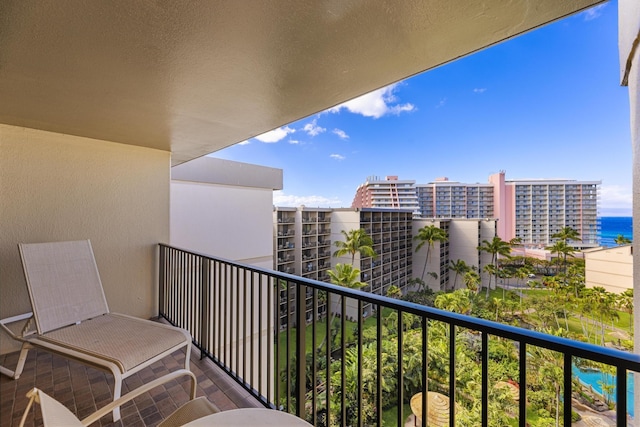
x: 83, y: 389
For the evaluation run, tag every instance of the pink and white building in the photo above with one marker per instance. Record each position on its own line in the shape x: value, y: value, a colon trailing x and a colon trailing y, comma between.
x: 532, y: 210
x: 535, y: 209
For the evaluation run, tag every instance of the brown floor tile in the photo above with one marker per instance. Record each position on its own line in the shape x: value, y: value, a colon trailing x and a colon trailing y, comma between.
x: 83, y: 389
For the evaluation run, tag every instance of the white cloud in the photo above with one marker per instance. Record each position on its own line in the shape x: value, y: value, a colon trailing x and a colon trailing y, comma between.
x: 342, y: 134
x: 593, y: 13
x: 281, y: 199
x: 293, y: 141
x: 245, y: 142
x: 275, y: 135
x: 312, y: 128
x: 615, y: 196
x: 479, y: 90
x: 441, y: 103
x: 375, y: 104
x: 337, y: 156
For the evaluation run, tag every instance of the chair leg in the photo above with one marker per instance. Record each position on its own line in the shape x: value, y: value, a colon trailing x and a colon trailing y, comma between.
x: 117, y: 391
x: 24, y: 352
x: 187, y: 356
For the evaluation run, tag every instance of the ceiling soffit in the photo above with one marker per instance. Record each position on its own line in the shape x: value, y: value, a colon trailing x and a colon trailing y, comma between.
x: 195, y: 77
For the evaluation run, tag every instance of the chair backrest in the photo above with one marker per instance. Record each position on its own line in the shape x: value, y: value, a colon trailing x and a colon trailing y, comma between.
x: 63, y: 283
x: 54, y: 413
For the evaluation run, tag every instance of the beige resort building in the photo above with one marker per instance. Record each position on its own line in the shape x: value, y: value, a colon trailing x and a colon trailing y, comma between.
x: 610, y: 268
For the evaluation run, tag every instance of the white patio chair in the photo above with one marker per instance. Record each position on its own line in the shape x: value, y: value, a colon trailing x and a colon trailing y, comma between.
x: 72, y: 317
x: 55, y: 414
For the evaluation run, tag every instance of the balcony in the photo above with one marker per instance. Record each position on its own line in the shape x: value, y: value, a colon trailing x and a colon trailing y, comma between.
x: 154, y: 119
x: 233, y: 316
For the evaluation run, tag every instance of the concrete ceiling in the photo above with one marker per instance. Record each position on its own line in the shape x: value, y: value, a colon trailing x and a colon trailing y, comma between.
x: 195, y: 77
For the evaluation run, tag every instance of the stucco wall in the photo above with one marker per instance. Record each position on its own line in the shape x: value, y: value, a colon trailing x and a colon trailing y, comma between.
x: 419, y: 257
x: 464, y: 238
x: 346, y: 220
x: 611, y: 269
x: 629, y: 33
x: 231, y: 222
x: 59, y: 187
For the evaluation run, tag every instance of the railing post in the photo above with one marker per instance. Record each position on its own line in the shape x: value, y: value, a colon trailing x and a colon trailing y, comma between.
x: 567, y: 389
x: 162, y: 280
x: 205, y: 307
x: 301, y: 349
x: 621, y: 396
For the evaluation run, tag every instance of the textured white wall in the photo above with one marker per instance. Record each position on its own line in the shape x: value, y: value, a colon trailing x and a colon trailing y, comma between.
x: 420, y: 256
x: 463, y: 244
x: 230, y: 222
x: 346, y: 220
x: 629, y: 33
x: 59, y: 187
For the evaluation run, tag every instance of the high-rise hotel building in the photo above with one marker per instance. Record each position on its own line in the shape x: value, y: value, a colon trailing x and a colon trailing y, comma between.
x: 532, y: 210
x: 387, y: 193
x: 302, y: 246
x: 303, y: 239
x: 449, y: 199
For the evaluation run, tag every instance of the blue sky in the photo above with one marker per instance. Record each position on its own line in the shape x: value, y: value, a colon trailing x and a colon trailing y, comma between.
x: 547, y: 104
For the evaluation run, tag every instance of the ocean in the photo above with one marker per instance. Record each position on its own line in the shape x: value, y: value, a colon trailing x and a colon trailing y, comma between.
x: 611, y: 226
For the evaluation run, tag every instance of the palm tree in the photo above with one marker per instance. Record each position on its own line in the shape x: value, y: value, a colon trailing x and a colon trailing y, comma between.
x: 603, y: 304
x: 347, y: 276
x: 355, y: 241
x: 471, y: 280
x: 394, y: 292
x: 621, y: 240
x: 429, y: 234
x: 459, y: 267
x: 575, y: 278
x: 625, y: 303
x: 563, y: 250
x: 521, y: 274
x: 564, y: 235
x: 516, y: 242
x: 460, y: 301
x: 498, y: 305
x: 547, y: 373
x: 492, y: 271
x: 496, y: 247
x: 567, y: 233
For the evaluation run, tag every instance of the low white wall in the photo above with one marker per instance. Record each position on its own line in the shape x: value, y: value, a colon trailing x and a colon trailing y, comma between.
x: 235, y: 223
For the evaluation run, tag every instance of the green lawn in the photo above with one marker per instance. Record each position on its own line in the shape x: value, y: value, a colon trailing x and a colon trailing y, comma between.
x: 321, y: 330
x: 622, y: 322
x: 534, y: 292
x: 390, y: 416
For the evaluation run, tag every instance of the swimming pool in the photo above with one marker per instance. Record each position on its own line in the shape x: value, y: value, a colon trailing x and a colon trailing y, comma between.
x: 592, y: 378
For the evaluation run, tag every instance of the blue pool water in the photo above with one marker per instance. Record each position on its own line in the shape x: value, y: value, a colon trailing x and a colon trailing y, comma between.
x: 591, y: 378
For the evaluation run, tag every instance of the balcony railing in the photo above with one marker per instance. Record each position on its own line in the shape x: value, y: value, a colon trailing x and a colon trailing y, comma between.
x: 238, y: 319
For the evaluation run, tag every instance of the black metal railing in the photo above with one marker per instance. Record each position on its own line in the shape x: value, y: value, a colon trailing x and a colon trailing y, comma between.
x: 339, y: 356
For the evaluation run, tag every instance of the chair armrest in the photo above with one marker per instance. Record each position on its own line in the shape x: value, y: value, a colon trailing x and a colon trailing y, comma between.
x: 141, y: 390
x: 14, y: 319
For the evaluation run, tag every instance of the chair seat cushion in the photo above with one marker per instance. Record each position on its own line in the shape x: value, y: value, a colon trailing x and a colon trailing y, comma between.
x: 127, y: 342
